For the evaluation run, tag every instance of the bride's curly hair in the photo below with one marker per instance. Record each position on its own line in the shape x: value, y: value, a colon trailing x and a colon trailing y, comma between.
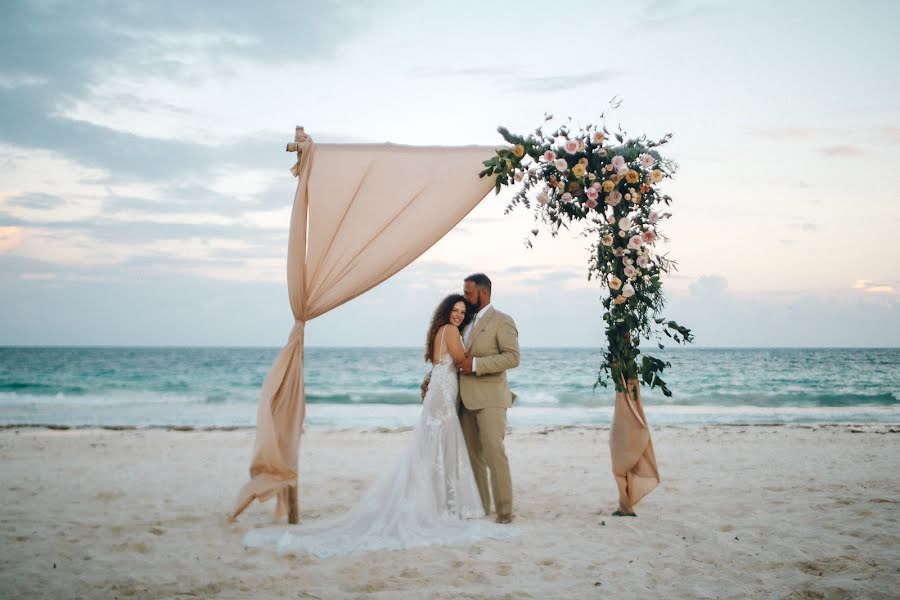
x: 441, y: 317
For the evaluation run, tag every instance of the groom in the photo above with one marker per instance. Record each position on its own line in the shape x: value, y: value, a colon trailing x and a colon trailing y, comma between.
x: 492, y: 346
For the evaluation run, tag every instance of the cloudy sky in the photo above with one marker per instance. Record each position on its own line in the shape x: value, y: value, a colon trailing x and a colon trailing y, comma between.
x: 145, y: 192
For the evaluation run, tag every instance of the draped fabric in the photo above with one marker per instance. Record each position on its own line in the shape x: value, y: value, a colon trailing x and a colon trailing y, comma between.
x: 633, y: 460
x: 361, y: 213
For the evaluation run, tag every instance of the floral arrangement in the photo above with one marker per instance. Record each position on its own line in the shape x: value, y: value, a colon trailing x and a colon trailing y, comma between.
x: 609, y: 184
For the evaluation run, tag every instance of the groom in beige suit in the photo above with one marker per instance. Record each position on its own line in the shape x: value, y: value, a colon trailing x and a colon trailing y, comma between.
x: 492, y: 346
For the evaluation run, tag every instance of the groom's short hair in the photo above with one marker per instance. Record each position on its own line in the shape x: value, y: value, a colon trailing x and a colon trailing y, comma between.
x: 481, y: 281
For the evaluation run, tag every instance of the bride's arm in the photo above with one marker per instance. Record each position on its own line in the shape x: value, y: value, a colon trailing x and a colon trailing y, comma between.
x: 454, y: 343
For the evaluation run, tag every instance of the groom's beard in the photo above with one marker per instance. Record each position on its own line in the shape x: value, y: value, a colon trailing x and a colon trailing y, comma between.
x: 472, y: 309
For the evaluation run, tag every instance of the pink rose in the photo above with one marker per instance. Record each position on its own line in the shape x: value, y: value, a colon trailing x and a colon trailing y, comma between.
x: 653, y: 217
x: 567, y: 197
x: 592, y: 194
x: 630, y: 271
x: 628, y: 290
x: 614, y: 198
x: 591, y: 203
x: 624, y: 223
x: 543, y: 198
x: 572, y: 146
x: 549, y: 156
x: 649, y: 236
x: 619, y: 252
x: 560, y: 164
x: 618, y: 162
x: 647, y: 161
x: 635, y: 242
x: 643, y: 261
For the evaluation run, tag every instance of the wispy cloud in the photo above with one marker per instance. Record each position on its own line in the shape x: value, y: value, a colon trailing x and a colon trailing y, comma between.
x: 875, y: 287
x: 842, y: 150
x: 521, y: 79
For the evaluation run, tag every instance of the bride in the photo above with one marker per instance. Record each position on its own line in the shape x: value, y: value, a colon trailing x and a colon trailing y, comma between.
x: 428, y: 496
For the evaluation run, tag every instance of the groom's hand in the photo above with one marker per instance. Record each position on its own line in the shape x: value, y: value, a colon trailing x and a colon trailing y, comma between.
x: 424, y: 386
x: 465, y: 366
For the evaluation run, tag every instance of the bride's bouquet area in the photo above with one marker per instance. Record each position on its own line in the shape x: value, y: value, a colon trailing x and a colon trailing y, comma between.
x: 607, y: 185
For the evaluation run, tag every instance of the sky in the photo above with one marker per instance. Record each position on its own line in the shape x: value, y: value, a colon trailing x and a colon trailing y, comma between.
x: 145, y: 193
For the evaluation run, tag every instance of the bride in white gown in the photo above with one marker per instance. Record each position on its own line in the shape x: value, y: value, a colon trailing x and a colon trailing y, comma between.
x: 428, y: 496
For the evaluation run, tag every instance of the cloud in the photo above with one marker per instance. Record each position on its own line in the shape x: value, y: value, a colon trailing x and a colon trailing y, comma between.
x: 10, y: 238
x: 783, y: 133
x: 667, y: 13
x: 872, y: 287
x: 515, y: 79
x: 57, y: 57
x: 805, y: 226
x: 842, y: 150
x: 708, y: 286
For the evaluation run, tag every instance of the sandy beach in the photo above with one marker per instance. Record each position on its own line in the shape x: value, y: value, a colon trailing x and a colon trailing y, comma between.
x: 742, y: 512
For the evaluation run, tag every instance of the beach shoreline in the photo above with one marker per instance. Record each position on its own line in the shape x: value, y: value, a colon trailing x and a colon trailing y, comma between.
x: 789, y: 510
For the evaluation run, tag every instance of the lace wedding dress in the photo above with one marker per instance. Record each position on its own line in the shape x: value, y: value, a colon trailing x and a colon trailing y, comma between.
x: 426, y: 498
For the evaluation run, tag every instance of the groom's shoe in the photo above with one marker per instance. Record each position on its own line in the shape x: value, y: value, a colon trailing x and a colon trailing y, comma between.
x: 505, y: 519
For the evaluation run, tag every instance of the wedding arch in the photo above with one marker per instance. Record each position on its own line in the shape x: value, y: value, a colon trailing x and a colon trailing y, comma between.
x: 355, y: 223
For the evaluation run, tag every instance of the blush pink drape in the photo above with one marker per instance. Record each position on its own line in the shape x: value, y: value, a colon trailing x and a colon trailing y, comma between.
x: 361, y: 213
x: 631, y: 449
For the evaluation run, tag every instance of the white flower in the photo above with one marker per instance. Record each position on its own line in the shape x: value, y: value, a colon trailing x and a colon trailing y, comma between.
x: 647, y: 161
x: 618, y: 162
x: 571, y: 146
x: 624, y: 223
x: 628, y: 290
x: 543, y: 198
x: 634, y: 242
x: 630, y: 271
x: 560, y: 164
x: 653, y: 217
x: 549, y: 156
x: 519, y: 175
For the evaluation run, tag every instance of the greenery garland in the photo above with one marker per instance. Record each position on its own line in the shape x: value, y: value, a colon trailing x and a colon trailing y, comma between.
x: 607, y: 183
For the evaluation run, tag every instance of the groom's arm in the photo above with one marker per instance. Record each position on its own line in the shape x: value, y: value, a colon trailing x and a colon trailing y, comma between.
x: 508, y: 346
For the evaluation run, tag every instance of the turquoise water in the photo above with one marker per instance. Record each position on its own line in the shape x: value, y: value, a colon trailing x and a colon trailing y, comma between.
x: 370, y: 387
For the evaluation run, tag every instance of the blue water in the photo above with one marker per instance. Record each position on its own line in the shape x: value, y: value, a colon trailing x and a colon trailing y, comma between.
x: 378, y: 387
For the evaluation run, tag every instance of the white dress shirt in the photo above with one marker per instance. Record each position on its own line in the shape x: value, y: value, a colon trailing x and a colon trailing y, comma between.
x: 471, y: 328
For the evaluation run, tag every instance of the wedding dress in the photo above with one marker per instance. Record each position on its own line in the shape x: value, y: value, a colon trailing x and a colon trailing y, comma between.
x: 428, y: 496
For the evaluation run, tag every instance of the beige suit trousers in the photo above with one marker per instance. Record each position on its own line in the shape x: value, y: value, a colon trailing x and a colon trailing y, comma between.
x: 484, y: 430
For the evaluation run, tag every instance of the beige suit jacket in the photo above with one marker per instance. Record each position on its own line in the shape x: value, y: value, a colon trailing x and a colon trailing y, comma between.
x: 495, y: 343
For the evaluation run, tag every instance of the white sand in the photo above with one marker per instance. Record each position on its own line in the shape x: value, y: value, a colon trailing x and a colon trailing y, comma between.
x: 768, y: 512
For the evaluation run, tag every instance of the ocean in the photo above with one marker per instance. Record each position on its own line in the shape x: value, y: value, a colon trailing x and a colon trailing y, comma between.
x: 378, y: 387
